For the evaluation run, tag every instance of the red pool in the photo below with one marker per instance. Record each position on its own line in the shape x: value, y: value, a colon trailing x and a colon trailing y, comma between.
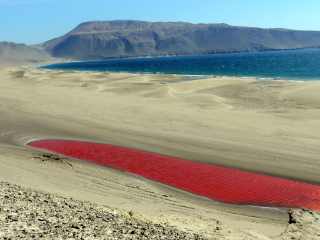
x: 218, y: 183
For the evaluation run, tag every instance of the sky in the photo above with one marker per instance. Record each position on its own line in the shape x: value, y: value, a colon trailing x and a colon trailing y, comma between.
x: 35, y: 21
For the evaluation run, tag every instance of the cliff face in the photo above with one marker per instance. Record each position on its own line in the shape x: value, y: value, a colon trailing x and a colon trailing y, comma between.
x: 135, y: 38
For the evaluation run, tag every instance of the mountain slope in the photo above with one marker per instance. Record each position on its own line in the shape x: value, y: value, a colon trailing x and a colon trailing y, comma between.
x: 13, y: 53
x: 136, y: 38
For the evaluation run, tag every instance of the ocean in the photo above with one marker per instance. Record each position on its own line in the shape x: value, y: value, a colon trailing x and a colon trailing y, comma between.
x: 287, y: 64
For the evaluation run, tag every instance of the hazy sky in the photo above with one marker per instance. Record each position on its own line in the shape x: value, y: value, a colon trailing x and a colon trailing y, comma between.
x: 34, y: 21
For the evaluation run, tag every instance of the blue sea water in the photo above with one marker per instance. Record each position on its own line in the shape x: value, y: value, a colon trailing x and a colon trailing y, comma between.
x: 289, y: 64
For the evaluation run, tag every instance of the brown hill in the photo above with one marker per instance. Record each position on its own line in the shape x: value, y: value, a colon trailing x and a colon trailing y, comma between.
x: 92, y: 40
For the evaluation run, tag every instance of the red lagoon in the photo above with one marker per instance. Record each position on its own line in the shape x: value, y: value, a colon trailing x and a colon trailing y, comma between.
x: 215, y: 182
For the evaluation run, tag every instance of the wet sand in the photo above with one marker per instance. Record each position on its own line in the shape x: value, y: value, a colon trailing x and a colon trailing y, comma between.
x: 262, y: 126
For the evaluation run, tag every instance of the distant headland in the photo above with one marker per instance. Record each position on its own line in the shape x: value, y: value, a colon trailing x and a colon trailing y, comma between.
x: 129, y: 38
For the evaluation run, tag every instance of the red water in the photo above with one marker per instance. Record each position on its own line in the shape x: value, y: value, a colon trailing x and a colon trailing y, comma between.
x: 218, y: 183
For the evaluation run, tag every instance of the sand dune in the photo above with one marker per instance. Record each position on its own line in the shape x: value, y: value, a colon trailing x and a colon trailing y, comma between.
x: 263, y: 126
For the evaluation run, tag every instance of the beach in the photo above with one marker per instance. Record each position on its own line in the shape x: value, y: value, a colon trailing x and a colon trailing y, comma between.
x: 263, y: 126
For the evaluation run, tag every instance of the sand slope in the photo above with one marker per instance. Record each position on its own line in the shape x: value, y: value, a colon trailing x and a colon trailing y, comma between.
x: 264, y: 126
x: 28, y: 214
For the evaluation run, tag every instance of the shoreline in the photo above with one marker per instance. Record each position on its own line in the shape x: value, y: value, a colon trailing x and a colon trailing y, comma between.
x: 190, y: 77
x: 264, y: 75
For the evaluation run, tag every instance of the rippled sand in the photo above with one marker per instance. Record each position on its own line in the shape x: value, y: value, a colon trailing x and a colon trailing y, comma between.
x: 263, y: 126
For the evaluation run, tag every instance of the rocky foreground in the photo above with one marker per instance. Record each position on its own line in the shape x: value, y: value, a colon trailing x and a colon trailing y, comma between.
x: 29, y: 214
x: 26, y: 214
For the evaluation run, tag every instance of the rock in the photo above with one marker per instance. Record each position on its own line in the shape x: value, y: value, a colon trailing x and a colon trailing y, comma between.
x: 104, y: 39
x: 27, y: 214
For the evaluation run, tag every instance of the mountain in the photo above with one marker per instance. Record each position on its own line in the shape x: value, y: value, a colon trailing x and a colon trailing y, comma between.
x: 13, y: 53
x: 104, y: 39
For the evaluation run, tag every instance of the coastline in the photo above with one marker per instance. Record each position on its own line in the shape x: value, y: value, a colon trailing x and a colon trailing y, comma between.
x: 185, y: 76
x: 262, y: 66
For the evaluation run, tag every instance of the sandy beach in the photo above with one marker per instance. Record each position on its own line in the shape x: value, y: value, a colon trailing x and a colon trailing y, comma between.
x: 263, y: 126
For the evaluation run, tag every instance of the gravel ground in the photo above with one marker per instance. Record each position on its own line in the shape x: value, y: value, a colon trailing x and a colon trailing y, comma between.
x: 27, y: 214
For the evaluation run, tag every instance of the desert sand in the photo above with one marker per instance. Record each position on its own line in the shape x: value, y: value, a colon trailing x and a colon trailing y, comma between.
x: 263, y: 126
